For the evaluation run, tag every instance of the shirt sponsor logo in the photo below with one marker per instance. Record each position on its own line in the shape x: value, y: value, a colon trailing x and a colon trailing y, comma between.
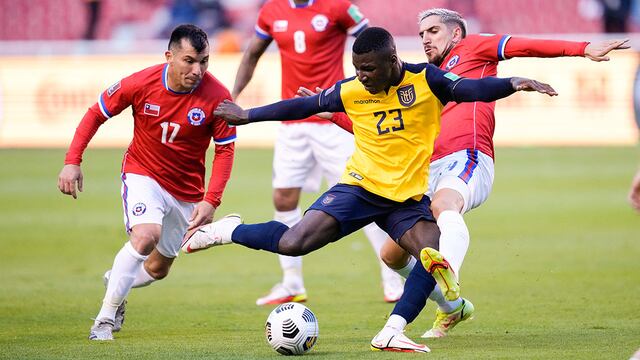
x: 113, y: 88
x: 196, y: 116
x: 151, y: 109
x: 139, y: 209
x: 366, y: 101
x: 319, y: 22
x: 356, y: 175
x: 328, y: 199
x: 452, y: 62
x: 280, y: 25
x: 407, y: 95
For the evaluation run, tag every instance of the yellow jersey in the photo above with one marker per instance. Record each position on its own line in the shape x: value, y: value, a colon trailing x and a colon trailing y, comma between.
x: 394, y: 130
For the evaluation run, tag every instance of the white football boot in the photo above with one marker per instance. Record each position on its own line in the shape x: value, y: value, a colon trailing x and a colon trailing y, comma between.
x: 102, y: 330
x: 392, y: 339
x: 281, y: 294
x: 393, y: 288
x: 205, y: 236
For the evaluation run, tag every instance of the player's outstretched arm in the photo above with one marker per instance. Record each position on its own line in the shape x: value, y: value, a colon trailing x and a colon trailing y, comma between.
x: 634, y: 192
x: 291, y: 109
x: 490, y: 89
x: 70, y: 176
x: 598, y: 52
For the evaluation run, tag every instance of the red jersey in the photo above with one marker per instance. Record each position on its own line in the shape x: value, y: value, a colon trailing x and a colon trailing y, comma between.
x: 171, y: 133
x: 471, y: 125
x: 311, y: 39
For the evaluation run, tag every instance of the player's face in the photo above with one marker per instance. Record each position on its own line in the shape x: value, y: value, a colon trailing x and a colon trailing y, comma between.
x: 374, y: 70
x: 186, y: 66
x: 437, y: 39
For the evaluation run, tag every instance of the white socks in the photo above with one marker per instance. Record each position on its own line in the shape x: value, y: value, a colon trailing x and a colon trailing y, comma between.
x: 406, y: 270
x: 377, y: 237
x: 454, y: 242
x: 396, y: 322
x: 291, y: 265
x: 123, y: 273
x: 444, y: 304
x: 454, y: 238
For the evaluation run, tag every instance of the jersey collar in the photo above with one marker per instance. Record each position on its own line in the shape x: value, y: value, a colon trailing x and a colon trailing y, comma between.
x: 294, y: 5
x: 165, y: 83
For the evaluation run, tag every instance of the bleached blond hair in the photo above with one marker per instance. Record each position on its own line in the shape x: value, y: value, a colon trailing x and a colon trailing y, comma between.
x: 448, y: 17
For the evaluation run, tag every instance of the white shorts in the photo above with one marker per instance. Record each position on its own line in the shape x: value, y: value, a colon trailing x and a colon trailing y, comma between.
x: 144, y: 201
x: 307, y: 152
x: 469, y: 172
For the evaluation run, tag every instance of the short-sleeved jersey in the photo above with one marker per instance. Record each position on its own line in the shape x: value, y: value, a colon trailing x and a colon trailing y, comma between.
x: 311, y: 40
x: 172, y: 130
x: 471, y: 125
x: 394, y: 130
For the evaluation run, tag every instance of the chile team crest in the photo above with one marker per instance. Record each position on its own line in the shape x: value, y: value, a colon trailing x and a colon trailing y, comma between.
x: 196, y: 116
x: 452, y: 62
x: 407, y: 95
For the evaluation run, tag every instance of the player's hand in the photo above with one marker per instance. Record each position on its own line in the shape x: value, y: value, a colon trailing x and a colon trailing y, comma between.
x: 598, y: 52
x: 70, y: 175
x: 232, y: 113
x: 522, y: 84
x: 304, y: 92
x: 202, y: 214
x: 634, y: 192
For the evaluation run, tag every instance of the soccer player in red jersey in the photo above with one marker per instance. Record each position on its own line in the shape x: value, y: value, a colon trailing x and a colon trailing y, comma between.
x: 163, y: 169
x: 311, y: 38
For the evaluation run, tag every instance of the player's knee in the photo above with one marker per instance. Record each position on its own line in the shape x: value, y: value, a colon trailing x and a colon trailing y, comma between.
x: 393, y: 256
x: 444, y: 203
x: 292, y: 244
x: 143, y: 239
x: 286, y: 199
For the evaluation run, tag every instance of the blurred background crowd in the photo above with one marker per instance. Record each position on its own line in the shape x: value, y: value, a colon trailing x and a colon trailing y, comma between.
x: 229, y: 22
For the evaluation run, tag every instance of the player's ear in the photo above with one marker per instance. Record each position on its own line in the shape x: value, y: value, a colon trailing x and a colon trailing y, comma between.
x: 168, y: 55
x: 457, y: 34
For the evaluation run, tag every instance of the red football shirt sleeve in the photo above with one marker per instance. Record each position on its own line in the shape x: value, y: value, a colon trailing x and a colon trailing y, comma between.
x: 341, y: 119
x: 117, y: 97
x: 220, y: 173
x: 110, y: 103
x: 84, y: 133
x: 349, y: 17
x: 488, y: 47
x: 523, y: 47
x: 224, y: 137
x: 263, y: 26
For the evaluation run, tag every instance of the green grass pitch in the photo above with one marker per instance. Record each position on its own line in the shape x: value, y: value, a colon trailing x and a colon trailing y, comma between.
x: 553, y: 268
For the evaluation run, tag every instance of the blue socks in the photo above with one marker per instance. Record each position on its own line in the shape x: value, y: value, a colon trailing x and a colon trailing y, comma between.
x: 265, y: 236
x: 417, y: 288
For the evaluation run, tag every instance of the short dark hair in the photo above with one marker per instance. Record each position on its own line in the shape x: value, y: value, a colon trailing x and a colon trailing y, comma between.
x: 373, y: 39
x: 196, y: 36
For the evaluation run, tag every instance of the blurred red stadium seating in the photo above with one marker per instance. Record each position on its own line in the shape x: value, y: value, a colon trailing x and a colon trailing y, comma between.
x: 67, y: 19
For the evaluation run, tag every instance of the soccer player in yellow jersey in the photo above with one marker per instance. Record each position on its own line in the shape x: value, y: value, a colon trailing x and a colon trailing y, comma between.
x: 395, y: 108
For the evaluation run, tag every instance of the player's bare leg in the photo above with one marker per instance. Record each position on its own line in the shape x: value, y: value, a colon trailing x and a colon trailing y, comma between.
x: 126, y: 265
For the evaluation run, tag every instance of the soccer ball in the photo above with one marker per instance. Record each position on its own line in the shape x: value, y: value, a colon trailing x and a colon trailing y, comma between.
x: 291, y: 329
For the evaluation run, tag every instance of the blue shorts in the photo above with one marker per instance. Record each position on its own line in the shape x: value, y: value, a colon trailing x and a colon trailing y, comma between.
x: 354, y: 207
